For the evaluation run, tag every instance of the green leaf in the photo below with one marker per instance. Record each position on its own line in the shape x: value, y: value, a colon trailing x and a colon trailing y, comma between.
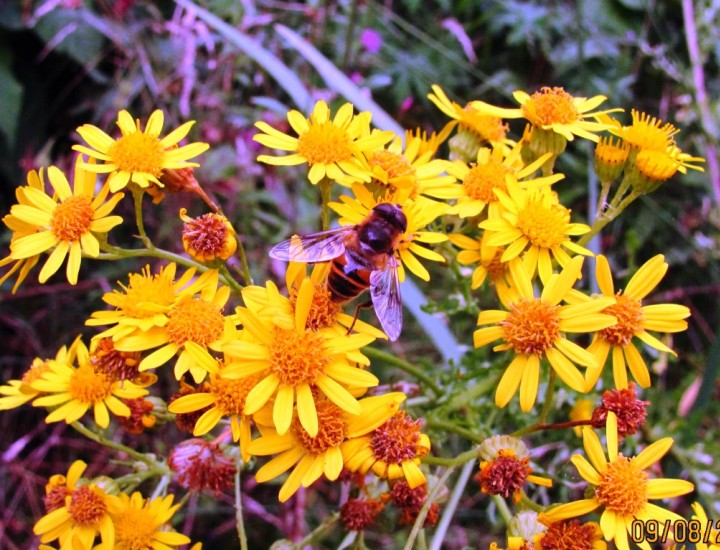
x: 12, y: 93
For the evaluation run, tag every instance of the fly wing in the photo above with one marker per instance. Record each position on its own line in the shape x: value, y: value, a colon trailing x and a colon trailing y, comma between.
x: 316, y: 247
x: 385, y: 295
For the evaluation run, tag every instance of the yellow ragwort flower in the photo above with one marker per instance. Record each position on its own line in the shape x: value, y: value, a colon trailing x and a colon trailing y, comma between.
x: 534, y: 328
x: 138, y: 156
x: 143, y: 523
x: 330, y: 147
x: 66, y: 222
x: 555, y: 110
x: 633, y: 321
x: 76, y: 389
x: 77, y: 513
x: 419, y: 213
x: 312, y: 456
x: 392, y: 451
x: 295, y: 363
x: 535, y: 226
x: 710, y: 538
x: 487, y: 258
x: 621, y: 486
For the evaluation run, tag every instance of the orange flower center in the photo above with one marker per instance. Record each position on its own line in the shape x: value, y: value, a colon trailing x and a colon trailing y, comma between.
x: 495, y: 267
x: 323, y: 311
x: 324, y: 143
x: 629, y: 321
x: 489, y: 128
x: 72, y: 218
x: 544, y: 225
x: 550, y: 106
x: 570, y: 535
x: 397, y: 440
x: 143, y: 288
x: 623, y: 487
x: 230, y: 395
x: 482, y: 179
x: 297, y: 357
x: 88, y: 386
x: 138, y: 152
x: 394, y: 165
x: 86, y: 506
x: 195, y: 320
x: 503, y: 475
x: 532, y: 326
x: 135, y: 529
x: 35, y: 372
x: 331, y: 429
x: 649, y: 133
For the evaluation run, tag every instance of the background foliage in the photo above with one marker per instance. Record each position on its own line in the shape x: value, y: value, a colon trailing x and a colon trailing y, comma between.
x: 68, y: 62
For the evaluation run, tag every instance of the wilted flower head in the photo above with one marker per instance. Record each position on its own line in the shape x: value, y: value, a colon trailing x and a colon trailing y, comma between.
x: 630, y: 410
x: 208, y: 237
x: 358, y: 514
x: 201, y: 465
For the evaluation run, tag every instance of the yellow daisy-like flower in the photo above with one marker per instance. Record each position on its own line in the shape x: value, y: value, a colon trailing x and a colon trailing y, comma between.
x: 622, y: 487
x: 74, y: 390
x: 65, y: 222
x: 78, y: 512
x: 553, y: 109
x: 485, y: 128
x: 312, y: 456
x: 330, y: 147
x: 392, y: 451
x: 398, y: 174
x: 489, y: 173
x: 143, y: 523
x: 19, y: 392
x: 21, y: 229
x: 324, y: 312
x: 633, y: 321
x: 710, y: 539
x: 138, y: 156
x: 145, y: 301
x: 294, y: 362
x: 193, y: 323
x: 537, y: 227
x: 487, y: 258
x: 419, y: 213
x: 225, y: 397
x: 535, y: 328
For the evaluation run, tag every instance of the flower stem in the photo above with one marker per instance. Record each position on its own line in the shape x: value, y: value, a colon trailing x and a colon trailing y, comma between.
x: 137, y: 193
x: 243, y: 261
x: 325, y: 192
x: 449, y: 508
x: 405, y: 366
x: 549, y: 395
x: 431, y: 497
x: 459, y: 460
x: 449, y: 426
x: 238, y: 508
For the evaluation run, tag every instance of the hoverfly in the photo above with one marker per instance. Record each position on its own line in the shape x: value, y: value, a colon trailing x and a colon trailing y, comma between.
x: 363, y: 257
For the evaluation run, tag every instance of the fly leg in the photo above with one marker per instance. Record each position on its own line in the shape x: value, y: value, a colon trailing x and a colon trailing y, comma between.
x: 367, y: 304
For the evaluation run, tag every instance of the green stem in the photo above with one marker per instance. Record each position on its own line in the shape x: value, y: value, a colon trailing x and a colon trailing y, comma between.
x: 431, y: 497
x: 102, y: 440
x: 449, y: 426
x: 137, y: 193
x: 318, y: 533
x: 549, y: 395
x: 243, y: 261
x: 350, y: 33
x: 401, y: 364
x: 459, y: 460
x: 325, y: 192
x: 503, y: 508
x: 612, y: 212
x: 238, y: 508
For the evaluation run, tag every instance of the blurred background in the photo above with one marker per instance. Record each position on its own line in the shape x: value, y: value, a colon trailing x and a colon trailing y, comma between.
x: 64, y: 63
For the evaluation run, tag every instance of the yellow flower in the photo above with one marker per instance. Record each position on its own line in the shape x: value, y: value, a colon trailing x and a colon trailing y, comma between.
x: 74, y: 390
x: 581, y: 410
x: 194, y: 324
x: 553, y: 109
x: 633, y: 321
x: 79, y: 512
x: 294, y: 362
x: 312, y: 456
x: 487, y: 129
x: 138, y: 156
x: 535, y: 328
x: 477, y: 251
x: 710, y: 539
x: 145, y: 301
x: 419, y: 214
x: 208, y: 237
x: 537, y: 227
x: 489, y: 173
x: 621, y: 486
x: 19, y: 392
x: 65, y: 222
x: 398, y: 174
x: 143, y: 523
x: 392, y: 450
x: 330, y: 147
x: 571, y: 535
x: 21, y: 229
x: 225, y: 397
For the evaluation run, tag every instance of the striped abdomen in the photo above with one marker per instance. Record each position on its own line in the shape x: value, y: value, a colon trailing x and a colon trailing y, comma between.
x: 347, y: 279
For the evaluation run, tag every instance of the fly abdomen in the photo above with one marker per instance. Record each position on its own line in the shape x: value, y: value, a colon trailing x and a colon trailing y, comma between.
x: 346, y: 281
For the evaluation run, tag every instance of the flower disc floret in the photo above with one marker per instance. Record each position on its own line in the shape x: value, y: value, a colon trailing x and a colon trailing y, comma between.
x: 623, y: 487
x: 331, y: 429
x: 482, y: 180
x: 297, y: 357
x: 532, y: 326
x: 86, y: 506
x: 325, y: 143
x: 544, y: 225
x: 550, y: 106
x: 138, y: 152
x: 195, y: 320
x: 629, y: 315
x: 396, y: 440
